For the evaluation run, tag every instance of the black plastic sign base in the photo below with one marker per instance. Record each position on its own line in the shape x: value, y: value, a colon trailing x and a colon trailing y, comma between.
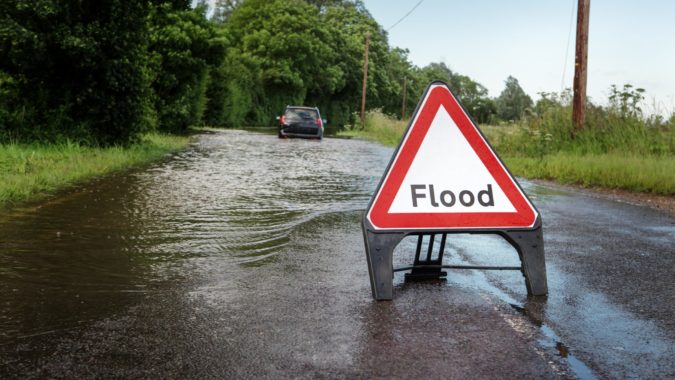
x: 380, y: 252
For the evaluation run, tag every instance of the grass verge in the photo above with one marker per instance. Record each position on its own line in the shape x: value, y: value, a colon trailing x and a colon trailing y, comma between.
x: 30, y: 171
x: 647, y: 174
x: 379, y: 128
x: 529, y: 155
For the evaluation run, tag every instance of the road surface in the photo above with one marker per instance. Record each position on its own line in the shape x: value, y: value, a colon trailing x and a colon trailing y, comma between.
x: 242, y: 257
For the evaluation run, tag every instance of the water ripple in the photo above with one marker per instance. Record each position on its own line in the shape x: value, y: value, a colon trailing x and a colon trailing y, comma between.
x: 239, y: 194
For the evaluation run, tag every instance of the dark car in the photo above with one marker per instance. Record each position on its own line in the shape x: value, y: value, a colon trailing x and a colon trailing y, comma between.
x: 301, y: 122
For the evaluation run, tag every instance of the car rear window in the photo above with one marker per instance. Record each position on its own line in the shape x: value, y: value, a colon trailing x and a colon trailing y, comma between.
x: 297, y: 114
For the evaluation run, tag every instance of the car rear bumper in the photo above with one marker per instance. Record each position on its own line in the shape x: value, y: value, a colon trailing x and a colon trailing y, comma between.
x: 295, y: 131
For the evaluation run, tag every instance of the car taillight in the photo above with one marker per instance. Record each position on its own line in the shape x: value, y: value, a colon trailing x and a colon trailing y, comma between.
x: 319, y: 123
x: 282, y: 119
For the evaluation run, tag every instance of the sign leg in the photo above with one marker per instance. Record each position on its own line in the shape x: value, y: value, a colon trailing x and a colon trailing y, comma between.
x: 379, y: 254
x: 428, y: 268
x: 530, y: 247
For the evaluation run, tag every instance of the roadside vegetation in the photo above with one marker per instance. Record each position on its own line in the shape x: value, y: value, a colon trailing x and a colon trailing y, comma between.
x: 619, y: 148
x: 107, y: 73
x: 80, y: 76
x: 89, y: 80
x: 378, y: 127
x: 31, y: 170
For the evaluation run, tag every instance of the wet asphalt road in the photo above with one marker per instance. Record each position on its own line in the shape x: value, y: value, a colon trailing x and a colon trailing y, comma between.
x: 242, y: 257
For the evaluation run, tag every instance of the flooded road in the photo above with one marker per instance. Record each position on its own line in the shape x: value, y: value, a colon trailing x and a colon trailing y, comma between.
x: 243, y: 257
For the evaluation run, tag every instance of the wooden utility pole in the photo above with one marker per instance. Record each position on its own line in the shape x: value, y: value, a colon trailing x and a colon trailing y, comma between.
x: 405, y: 82
x: 365, y: 81
x: 581, y: 65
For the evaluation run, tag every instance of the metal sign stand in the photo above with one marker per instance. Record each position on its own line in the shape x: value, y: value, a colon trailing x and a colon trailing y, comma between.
x: 380, y: 246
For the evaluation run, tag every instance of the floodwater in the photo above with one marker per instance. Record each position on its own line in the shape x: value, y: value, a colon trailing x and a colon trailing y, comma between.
x: 243, y: 257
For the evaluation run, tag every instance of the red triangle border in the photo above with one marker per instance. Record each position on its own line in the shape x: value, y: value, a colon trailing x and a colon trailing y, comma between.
x: 438, y: 95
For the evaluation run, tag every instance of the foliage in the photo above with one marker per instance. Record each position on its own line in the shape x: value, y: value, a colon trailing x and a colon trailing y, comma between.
x: 311, y: 53
x: 379, y: 127
x: 473, y: 95
x: 76, y: 70
x: 618, y: 148
x: 185, y: 48
x: 105, y: 72
x: 626, y: 102
x: 287, y: 47
x: 552, y: 100
x: 348, y: 24
x: 608, y: 129
x: 83, y: 73
x: 513, y: 101
x: 613, y: 151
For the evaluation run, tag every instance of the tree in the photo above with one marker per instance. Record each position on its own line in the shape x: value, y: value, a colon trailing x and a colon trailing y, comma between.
x: 398, y: 68
x: 76, y: 70
x: 513, y: 101
x: 287, y: 44
x: 473, y: 95
x: 184, y: 47
x: 348, y: 23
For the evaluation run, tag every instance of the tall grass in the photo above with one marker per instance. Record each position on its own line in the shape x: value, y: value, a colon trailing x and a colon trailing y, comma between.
x: 614, y: 150
x: 605, y: 132
x: 378, y: 127
x: 29, y: 171
x: 650, y: 174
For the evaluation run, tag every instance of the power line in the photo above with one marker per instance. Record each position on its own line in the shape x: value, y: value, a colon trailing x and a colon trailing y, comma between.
x: 406, y: 15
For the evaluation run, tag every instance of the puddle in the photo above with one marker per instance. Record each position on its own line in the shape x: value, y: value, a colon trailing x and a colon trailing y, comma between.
x: 233, y: 198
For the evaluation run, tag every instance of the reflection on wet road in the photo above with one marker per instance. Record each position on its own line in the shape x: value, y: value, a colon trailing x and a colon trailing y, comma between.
x: 243, y: 256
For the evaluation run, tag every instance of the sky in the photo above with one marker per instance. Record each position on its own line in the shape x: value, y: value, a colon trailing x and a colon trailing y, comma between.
x: 488, y: 40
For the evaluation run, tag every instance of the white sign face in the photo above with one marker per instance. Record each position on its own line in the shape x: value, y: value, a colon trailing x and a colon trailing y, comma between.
x: 447, y: 176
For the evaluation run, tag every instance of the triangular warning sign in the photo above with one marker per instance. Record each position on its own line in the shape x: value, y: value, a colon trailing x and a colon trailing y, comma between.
x: 444, y: 175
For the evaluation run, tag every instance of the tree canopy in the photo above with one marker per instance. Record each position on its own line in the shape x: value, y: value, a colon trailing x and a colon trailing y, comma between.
x: 104, y: 72
x: 513, y: 101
